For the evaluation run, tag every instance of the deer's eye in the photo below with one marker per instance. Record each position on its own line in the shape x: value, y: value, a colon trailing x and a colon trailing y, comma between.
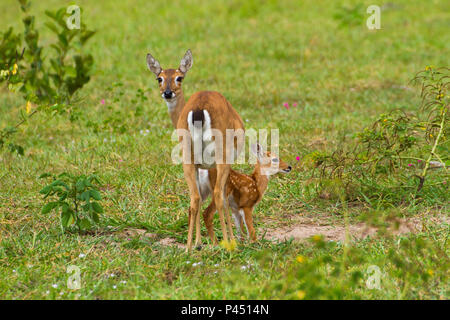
x: 275, y: 160
x: 160, y: 79
x: 179, y: 79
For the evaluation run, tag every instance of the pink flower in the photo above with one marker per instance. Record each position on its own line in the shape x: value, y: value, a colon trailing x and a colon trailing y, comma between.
x: 102, y: 101
x: 286, y: 105
x: 120, y: 160
x: 297, y: 158
x: 409, y: 164
x: 419, y: 161
x: 294, y: 104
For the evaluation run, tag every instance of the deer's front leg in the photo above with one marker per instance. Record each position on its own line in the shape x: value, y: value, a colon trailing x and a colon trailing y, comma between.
x: 190, y: 176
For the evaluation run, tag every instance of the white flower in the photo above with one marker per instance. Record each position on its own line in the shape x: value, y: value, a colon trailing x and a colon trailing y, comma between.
x: 123, y: 282
x: 82, y: 255
x: 194, y: 264
x: 114, y: 287
x: 188, y: 262
x: 216, y: 265
x: 14, y: 271
x: 55, y: 285
x: 243, y: 268
x: 112, y: 275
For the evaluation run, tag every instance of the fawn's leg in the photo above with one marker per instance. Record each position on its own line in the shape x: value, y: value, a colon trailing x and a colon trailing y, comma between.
x: 208, y: 216
x: 249, y: 223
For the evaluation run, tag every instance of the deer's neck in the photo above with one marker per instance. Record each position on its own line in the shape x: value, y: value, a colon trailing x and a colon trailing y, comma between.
x: 261, y: 180
x: 175, y: 108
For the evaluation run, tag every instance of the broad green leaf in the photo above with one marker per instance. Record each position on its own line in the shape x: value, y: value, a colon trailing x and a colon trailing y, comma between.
x: 95, y: 194
x: 97, y: 207
x: 67, y: 218
x: 95, y: 217
x: 49, y: 207
x: 85, y: 196
x: 85, y: 224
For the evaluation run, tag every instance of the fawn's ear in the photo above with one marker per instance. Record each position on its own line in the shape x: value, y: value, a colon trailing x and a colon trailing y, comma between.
x: 257, y: 150
x: 186, y: 62
x: 153, y: 64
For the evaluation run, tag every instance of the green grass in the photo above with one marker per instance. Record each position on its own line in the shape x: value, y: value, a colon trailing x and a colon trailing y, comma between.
x: 259, y: 55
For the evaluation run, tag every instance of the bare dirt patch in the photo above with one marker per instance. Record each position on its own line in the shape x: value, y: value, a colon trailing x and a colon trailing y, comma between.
x: 303, y: 228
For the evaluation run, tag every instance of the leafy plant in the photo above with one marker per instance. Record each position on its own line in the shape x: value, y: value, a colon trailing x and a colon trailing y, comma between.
x: 47, y: 80
x: 435, y: 102
x: 75, y: 197
x: 388, y: 154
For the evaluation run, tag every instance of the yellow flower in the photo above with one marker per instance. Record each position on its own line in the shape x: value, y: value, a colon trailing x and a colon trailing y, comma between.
x: 430, y: 272
x: 317, y: 237
x: 431, y: 136
x: 229, y: 245
x: 28, y: 107
x: 301, y: 259
x: 385, y: 120
x: 301, y: 294
x: 15, y: 67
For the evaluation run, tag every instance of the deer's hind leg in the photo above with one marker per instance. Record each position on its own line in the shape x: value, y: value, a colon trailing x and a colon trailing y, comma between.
x: 195, y: 201
x: 223, y: 170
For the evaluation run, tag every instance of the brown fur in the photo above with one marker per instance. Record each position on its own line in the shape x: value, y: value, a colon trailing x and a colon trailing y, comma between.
x: 223, y: 117
x: 247, y: 191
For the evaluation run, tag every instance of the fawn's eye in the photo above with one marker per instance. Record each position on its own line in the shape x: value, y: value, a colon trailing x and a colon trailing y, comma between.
x: 160, y: 79
x: 179, y: 79
x: 275, y: 160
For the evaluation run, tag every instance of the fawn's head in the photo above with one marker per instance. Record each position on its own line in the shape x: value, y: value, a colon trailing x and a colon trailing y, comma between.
x: 269, y: 162
x: 170, y: 79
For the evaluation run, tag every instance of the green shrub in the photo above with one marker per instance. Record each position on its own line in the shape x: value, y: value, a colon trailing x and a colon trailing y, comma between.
x: 77, y: 199
x: 47, y: 79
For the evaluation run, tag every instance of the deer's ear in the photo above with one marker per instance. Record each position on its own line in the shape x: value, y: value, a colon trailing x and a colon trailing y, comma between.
x: 153, y: 64
x: 186, y: 62
x: 256, y: 149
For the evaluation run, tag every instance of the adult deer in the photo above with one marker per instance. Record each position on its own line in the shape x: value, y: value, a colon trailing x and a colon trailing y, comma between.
x: 206, y: 116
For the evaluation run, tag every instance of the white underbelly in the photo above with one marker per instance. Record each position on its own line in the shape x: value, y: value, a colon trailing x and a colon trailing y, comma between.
x: 203, y: 184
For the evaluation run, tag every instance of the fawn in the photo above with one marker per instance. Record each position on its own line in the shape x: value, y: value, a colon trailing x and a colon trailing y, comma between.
x: 244, y: 192
x: 204, y: 111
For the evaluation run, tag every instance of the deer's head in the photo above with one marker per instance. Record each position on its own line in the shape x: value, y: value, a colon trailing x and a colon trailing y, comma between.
x: 170, y: 79
x: 269, y: 162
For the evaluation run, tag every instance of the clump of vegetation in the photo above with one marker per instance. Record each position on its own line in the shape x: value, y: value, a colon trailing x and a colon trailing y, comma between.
x: 77, y: 199
x: 389, y: 156
x: 335, y: 271
x: 46, y: 79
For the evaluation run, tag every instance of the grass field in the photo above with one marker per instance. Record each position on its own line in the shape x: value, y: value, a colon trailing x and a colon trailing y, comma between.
x: 260, y: 55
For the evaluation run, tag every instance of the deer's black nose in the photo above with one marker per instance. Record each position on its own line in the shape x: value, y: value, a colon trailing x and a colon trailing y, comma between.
x: 168, y: 94
x: 289, y: 169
